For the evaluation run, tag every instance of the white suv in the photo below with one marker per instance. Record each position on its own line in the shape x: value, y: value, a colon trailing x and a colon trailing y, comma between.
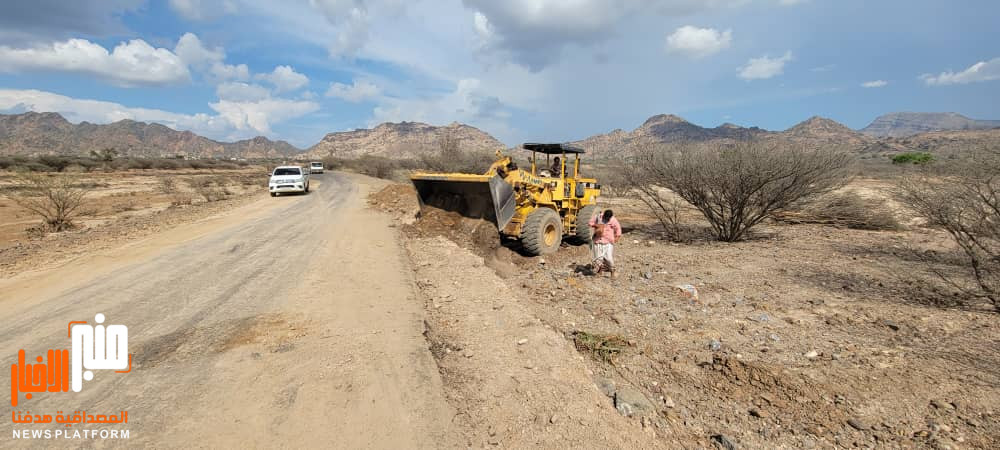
x: 316, y: 167
x: 288, y: 179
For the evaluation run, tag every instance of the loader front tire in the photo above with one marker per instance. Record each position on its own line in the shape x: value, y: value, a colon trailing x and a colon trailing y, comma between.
x: 542, y: 231
x: 583, y: 231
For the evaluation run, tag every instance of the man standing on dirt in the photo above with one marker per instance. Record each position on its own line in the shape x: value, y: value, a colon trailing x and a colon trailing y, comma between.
x: 607, y: 231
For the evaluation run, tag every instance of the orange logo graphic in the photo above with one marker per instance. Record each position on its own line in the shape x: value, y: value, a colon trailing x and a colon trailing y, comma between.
x: 93, y: 347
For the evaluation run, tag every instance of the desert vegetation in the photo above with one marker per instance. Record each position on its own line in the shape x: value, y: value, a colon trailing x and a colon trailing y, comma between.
x: 56, y: 200
x: 963, y: 199
x: 100, y: 161
x: 734, y: 186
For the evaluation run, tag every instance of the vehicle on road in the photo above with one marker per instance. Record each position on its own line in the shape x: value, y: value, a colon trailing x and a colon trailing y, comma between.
x: 288, y: 179
x: 316, y: 167
x: 539, y: 205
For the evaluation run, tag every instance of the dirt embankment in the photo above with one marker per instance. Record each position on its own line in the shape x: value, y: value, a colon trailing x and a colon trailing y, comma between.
x: 805, y: 336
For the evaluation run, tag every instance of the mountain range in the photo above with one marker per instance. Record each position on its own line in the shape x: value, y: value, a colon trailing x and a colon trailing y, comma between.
x: 34, y: 133
x: 49, y: 133
x: 902, y: 124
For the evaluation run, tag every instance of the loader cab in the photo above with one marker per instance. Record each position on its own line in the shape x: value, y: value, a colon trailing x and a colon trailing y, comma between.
x: 544, y: 155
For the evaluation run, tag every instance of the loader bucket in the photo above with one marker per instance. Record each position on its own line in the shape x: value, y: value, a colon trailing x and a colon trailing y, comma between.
x: 474, y: 196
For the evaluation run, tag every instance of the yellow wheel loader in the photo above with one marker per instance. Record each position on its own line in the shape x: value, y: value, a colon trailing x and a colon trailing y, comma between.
x: 539, y: 205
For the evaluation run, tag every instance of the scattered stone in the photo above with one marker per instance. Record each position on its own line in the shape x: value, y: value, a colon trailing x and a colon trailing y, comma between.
x: 940, y: 404
x: 554, y: 418
x: 632, y: 403
x: 647, y: 275
x: 704, y: 359
x: 669, y: 402
x: 606, y: 386
x: 689, y: 290
x: 723, y: 442
x: 857, y: 424
x: 812, y: 354
x: 892, y: 325
x: 774, y: 337
x: 522, y: 341
x: 715, y: 345
x: 759, y: 413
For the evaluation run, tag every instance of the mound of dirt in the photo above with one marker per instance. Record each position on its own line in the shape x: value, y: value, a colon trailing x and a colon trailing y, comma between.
x: 479, y: 236
x: 476, y: 235
x: 395, y: 198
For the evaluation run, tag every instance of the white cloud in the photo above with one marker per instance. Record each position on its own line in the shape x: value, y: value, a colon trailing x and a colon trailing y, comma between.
x: 352, y: 20
x: 764, y: 67
x: 978, y: 72
x: 284, y: 79
x: 358, y: 91
x: 698, y: 42
x: 130, y: 63
x: 535, y: 32
x: 235, y: 120
x: 237, y: 91
x: 257, y: 116
x: 202, y: 10
x: 875, y: 84
x: 468, y: 103
x: 190, y: 50
x: 223, y: 72
x: 193, y: 52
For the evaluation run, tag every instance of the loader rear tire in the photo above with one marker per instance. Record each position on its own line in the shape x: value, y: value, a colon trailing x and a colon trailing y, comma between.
x: 542, y: 231
x: 583, y: 231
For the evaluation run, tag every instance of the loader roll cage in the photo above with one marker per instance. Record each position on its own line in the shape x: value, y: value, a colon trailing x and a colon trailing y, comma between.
x: 555, y: 149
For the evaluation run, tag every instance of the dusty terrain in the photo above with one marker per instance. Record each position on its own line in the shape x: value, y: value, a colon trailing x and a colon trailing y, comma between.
x: 288, y: 322
x: 119, y: 206
x: 315, y: 320
x: 805, y: 336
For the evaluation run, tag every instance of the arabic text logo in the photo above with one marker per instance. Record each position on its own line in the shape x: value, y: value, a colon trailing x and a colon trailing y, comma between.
x: 94, y: 347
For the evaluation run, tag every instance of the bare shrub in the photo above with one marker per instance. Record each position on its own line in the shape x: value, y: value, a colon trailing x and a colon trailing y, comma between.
x: 168, y: 185
x: 846, y: 209
x: 450, y: 157
x: 963, y: 199
x: 376, y: 166
x: 736, y: 186
x: 57, y: 200
x: 208, y: 189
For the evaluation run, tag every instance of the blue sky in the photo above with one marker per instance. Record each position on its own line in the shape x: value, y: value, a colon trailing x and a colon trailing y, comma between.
x: 521, y: 70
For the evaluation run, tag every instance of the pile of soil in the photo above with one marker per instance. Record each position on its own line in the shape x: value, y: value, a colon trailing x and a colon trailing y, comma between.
x: 398, y: 199
x: 476, y: 235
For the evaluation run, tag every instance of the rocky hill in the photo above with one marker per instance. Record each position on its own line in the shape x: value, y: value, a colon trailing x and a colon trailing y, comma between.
x: 902, y: 124
x: 822, y: 132
x: 34, y: 133
x: 666, y: 129
x: 401, y: 140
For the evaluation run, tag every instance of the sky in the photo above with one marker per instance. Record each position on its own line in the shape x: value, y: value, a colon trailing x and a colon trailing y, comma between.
x: 521, y: 70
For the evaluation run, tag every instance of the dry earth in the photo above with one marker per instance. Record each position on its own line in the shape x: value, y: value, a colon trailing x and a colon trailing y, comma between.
x: 119, y: 207
x: 805, y: 336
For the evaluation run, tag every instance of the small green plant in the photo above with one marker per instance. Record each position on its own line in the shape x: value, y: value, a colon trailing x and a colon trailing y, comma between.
x: 603, y: 347
x: 913, y: 158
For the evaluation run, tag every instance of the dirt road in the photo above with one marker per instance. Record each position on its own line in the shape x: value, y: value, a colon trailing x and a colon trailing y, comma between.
x: 285, y: 323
